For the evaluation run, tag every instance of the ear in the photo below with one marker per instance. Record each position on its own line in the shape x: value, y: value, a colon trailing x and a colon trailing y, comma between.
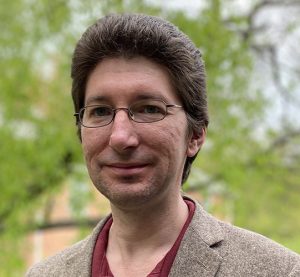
x: 195, y: 142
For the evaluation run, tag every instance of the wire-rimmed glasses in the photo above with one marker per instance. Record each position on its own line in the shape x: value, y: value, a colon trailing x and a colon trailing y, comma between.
x: 142, y: 111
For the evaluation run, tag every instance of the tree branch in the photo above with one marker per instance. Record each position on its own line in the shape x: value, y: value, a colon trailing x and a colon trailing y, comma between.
x: 251, y: 16
x: 88, y: 222
x: 284, y: 139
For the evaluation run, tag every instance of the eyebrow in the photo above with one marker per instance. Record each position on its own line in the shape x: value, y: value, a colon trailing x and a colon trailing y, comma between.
x: 151, y: 95
x: 96, y: 99
x: 141, y: 96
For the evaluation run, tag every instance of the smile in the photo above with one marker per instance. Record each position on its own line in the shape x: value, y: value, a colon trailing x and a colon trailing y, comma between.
x: 126, y: 169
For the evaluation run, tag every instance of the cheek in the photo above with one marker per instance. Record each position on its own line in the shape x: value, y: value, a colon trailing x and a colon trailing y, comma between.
x: 92, y: 143
x: 170, y: 141
x: 179, y: 133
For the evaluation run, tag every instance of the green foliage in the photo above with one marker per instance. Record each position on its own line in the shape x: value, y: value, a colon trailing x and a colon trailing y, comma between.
x: 37, y: 128
x: 39, y: 149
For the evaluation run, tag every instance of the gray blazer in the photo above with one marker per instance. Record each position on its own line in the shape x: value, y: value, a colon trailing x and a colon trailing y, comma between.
x: 209, y: 248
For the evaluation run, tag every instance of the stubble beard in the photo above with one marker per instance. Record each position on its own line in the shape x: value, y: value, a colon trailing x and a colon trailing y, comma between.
x: 127, y: 196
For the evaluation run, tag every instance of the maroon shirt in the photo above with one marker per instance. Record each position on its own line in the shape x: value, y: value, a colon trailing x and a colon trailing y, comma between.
x: 100, y: 266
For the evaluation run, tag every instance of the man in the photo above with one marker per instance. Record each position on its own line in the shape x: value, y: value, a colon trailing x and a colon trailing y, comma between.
x: 140, y: 100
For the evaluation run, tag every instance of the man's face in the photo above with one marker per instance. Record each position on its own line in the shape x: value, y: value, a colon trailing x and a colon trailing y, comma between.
x: 132, y: 163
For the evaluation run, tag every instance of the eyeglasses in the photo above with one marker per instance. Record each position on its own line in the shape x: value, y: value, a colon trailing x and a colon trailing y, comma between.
x: 143, y: 111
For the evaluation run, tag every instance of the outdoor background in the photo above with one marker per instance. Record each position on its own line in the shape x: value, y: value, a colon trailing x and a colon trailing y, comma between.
x: 248, y: 172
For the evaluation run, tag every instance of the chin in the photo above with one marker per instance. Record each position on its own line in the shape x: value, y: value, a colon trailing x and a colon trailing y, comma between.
x: 129, y: 195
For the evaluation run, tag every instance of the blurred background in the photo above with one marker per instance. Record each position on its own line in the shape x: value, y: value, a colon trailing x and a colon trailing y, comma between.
x: 248, y: 172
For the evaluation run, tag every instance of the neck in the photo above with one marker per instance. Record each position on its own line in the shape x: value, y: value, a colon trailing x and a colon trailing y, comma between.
x: 148, y: 228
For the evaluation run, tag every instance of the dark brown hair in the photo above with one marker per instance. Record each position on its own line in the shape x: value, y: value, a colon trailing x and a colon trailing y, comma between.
x: 130, y: 35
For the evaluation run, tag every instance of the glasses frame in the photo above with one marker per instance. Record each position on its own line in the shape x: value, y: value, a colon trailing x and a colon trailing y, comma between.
x: 79, y: 115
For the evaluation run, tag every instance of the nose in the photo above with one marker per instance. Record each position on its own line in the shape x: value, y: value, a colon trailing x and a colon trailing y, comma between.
x: 123, y: 136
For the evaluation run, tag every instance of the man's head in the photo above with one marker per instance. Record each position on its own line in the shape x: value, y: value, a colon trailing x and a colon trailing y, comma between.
x: 133, y: 35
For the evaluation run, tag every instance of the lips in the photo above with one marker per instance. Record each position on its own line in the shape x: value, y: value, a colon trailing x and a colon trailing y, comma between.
x: 126, y: 168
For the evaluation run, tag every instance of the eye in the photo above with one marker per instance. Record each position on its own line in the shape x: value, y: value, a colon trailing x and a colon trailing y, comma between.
x: 99, y: 111
x: 148, y: 107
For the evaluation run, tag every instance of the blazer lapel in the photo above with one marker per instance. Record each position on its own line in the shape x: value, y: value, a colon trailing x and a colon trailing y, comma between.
x: 80, y: 263
x: 200, y: 252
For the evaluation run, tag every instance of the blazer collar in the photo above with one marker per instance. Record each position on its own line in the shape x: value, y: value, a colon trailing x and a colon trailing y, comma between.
x: 200, y: 252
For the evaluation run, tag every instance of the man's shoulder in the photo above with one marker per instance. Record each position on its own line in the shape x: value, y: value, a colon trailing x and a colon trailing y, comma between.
x: 217, y: 232
x: 240, y: 252
x: 56, y: 265
x: 72, y: 261
x: 256, y: 252
x: 253, y: 243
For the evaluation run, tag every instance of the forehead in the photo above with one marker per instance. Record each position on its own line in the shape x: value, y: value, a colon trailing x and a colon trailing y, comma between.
x: 124, y: 80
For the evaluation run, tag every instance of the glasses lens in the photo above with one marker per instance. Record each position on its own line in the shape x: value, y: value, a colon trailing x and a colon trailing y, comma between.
x: 148, y: 111
x: 96, y: 116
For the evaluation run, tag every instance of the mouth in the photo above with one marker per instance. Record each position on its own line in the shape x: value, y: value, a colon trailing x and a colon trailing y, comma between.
x: 126, y: 168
